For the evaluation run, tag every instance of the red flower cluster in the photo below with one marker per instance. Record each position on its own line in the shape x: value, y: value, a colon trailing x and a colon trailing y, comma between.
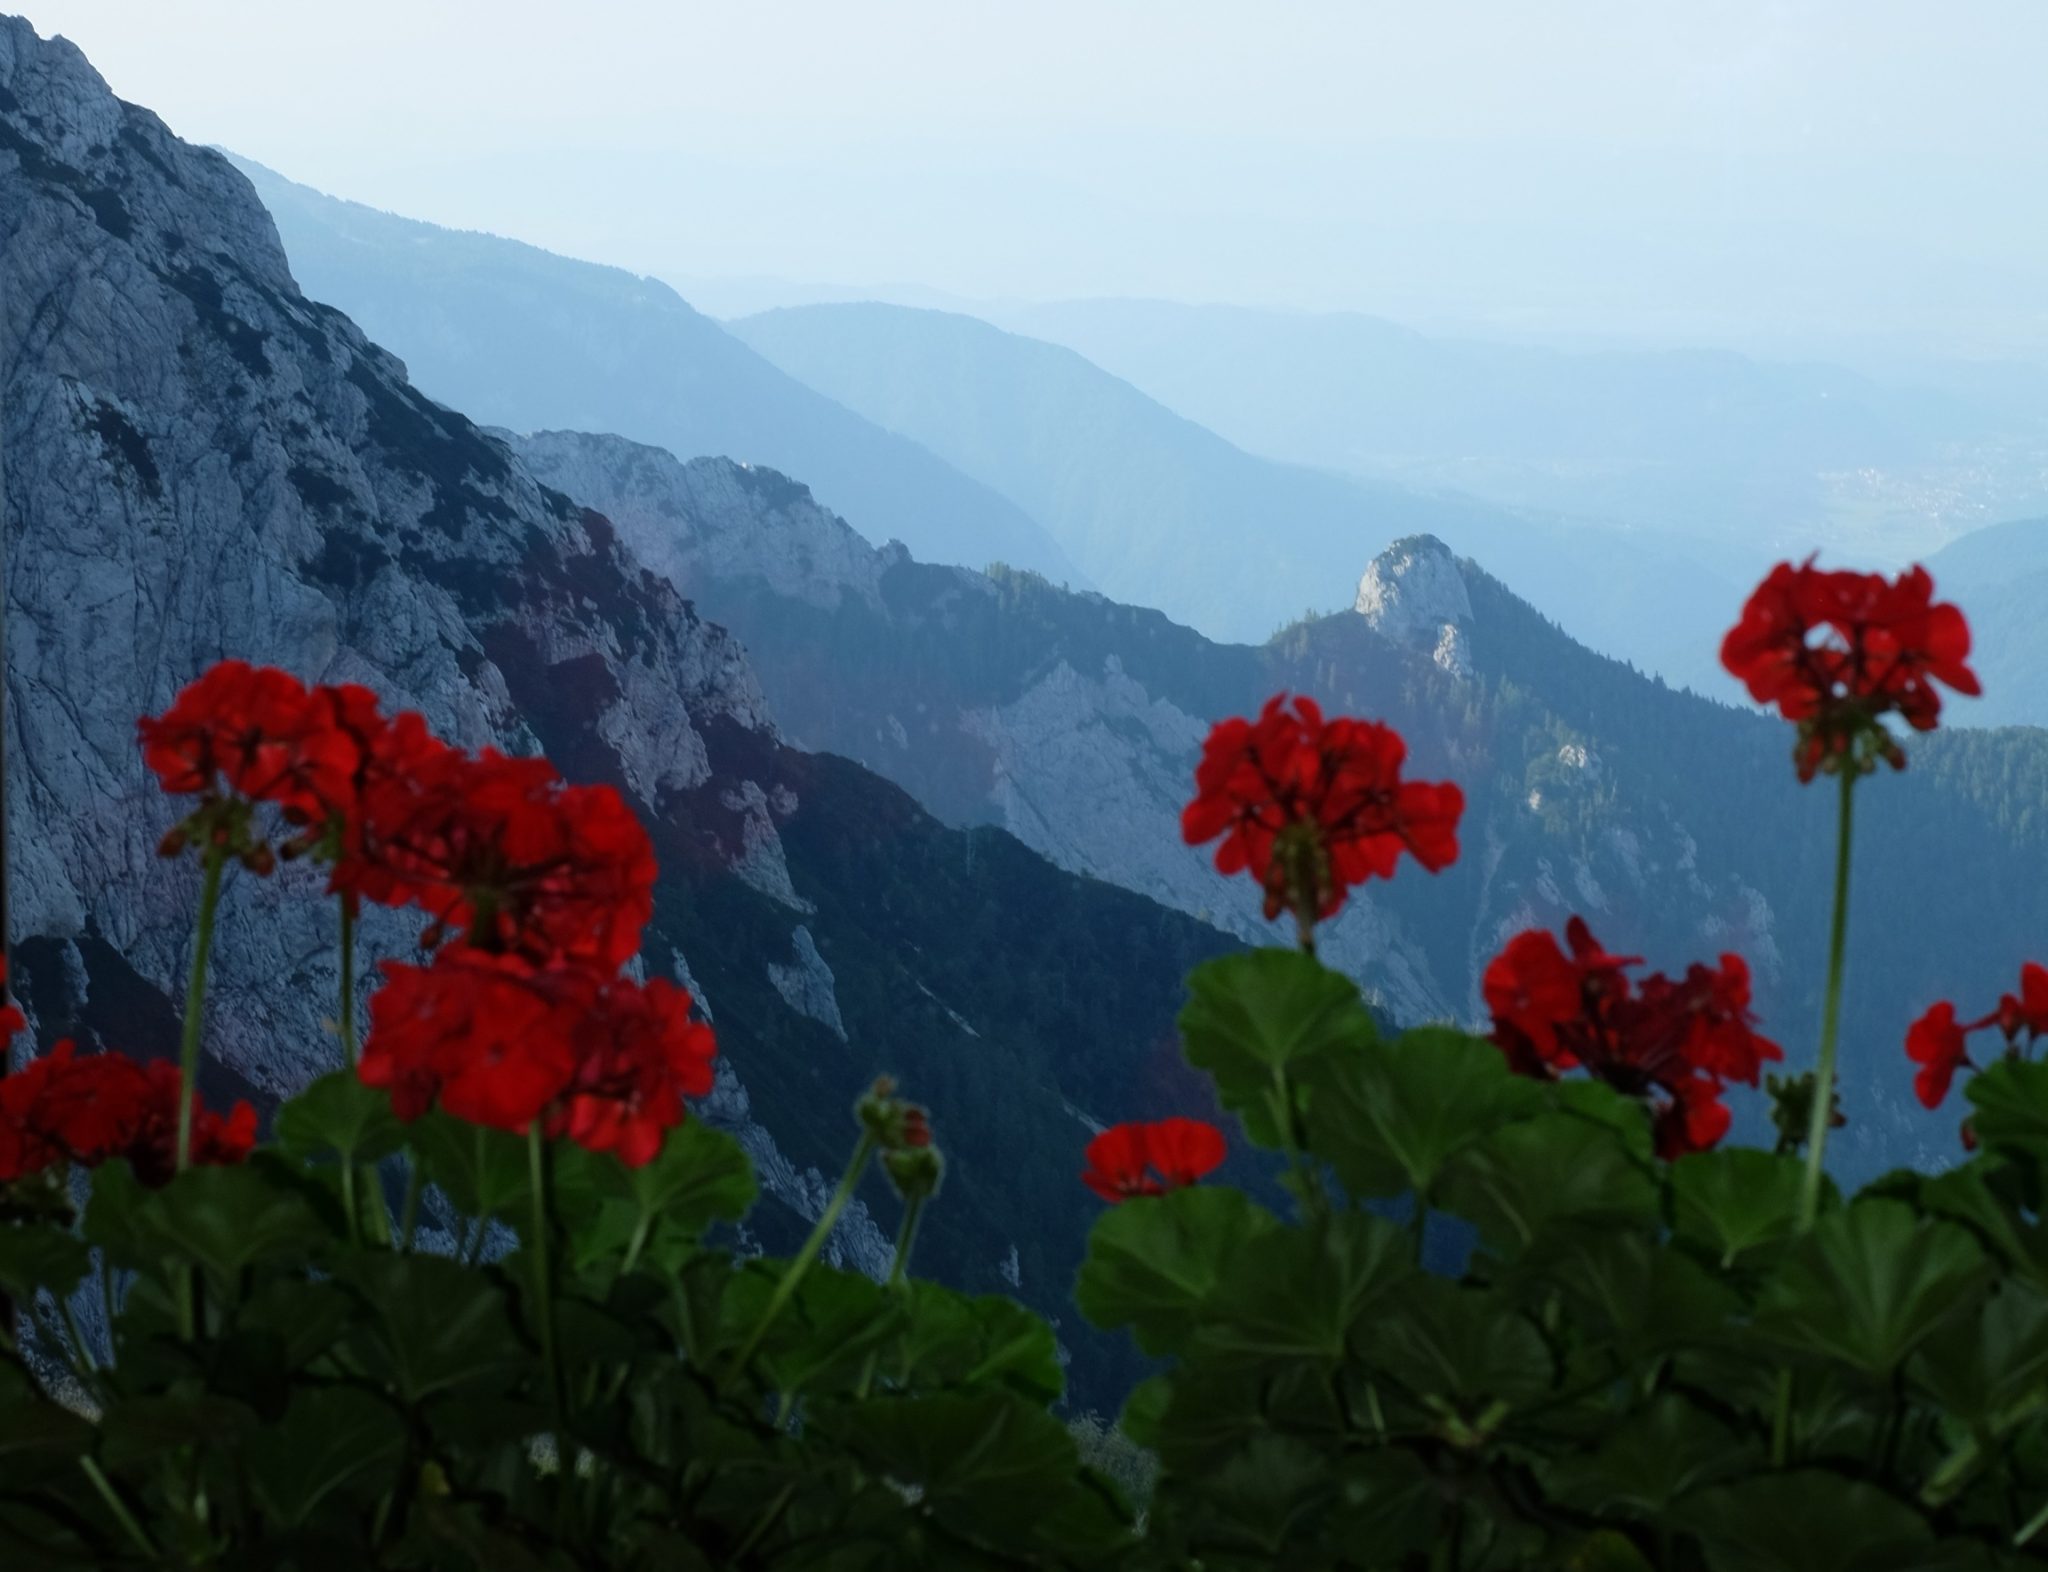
x: 1936, y: 1043
x: 1312, y: 807
x: 65, y: 1109
x: 1150, y: 1159
x: 1672, y: 1043
x: 500, y: 1041
x: 1834, y: 651
x: 536, y: 894
x: 496, y: 850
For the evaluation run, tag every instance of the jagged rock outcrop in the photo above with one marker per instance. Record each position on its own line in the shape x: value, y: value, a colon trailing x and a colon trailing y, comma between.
x: 1414, y: 594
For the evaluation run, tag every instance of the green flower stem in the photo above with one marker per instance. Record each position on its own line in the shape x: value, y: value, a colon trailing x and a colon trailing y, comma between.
x: 415, y: 1183
x: 2034, y: 1526
x: 348, y: 1204
x: 195, y: 998
x: 636, y: 1244
x: 348, y: 981
x: 1781, y: 1421
x: 1831, y: 1016
x: 544, y: 1302
x: 801, y: 1263
x: 899, y: 1270
x: 906, y: 1241
x: 119, y: 1508
x: 1281, y: 1099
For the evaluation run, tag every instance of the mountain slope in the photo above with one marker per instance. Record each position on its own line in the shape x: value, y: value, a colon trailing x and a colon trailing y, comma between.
x: 513, y: 335
x: 1162, y: 512
x: 1999, y: 575
x: 203, y: 463
x: 1673, y: 823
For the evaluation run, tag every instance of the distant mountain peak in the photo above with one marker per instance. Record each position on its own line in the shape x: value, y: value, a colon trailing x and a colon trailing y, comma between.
x: 1414, y: 593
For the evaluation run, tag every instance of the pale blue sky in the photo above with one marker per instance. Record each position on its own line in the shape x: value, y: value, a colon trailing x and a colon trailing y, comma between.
x: 1755, y: 171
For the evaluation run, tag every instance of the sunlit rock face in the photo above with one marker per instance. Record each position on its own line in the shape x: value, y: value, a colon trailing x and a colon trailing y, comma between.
x: 1414, y: 593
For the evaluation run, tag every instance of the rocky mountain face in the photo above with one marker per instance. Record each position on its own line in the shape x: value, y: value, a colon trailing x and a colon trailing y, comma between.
x: 203, y: 463
x: 1673, y: 824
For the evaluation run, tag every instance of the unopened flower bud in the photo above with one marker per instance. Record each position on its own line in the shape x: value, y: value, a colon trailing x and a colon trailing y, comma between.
x: 915, y: 1171
x: 175, y: 840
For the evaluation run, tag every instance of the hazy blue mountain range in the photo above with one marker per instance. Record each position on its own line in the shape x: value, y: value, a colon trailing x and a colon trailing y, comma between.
x: 1776, y: 456
x: 1672, y: 822
x: 1160, y: 511
x: 518, y: 336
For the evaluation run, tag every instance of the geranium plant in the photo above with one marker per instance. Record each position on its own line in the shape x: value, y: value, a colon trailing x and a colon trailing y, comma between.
x: 1654, y: 1349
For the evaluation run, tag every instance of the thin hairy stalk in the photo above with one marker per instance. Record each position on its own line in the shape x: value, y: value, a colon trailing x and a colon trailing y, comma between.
x: 195, y: 999
x: 801, y: 1262
x: 1831, y: 1016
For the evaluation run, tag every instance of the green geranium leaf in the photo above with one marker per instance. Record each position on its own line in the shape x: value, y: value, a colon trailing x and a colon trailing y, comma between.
x: 1249, y: 1016
x: 700, y: 1176
x: 1736, y: 1202
x: 2011, y: 1098
x: 1869, y: 1284
x: 1622, y: 1282
x: 433, y: 1325
x: 140, y: 1428
x: 230, y: 1217
x: 1991, y: 1196
x: 1389, y: 1499
x: 41, y: 1255
x: 308, y: 1318
x: 1464, y: 1348
x: 1388, y: 1118
x: 337, y: 1115
x: 949, y: 1339
x: 1817, y: 1522
x: 987, y: 1464
x: 1153, y: 1262
x: 1303, y: 1293
x: 1980, y: 1367
x: 1557, y: 1167
x: 39, y: 1438
x: 1145, y: 1408
x: 1267, y: 1498
x: 1601, y: 1103
x: 1654, y: 1457
x: 823, y: 1337
x: 483, y: 1171
x: 331, y: 1439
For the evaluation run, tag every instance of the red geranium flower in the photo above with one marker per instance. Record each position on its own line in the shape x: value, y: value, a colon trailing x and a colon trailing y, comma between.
x: 502, y: 853
x: 67, y: 1108
x: 637, y: 1056
x: 1671, y: 1043
x: 1311, y: 807
x: 1836, y: 650
x: 244, y: 731
x: 1936, y: 1042
x: 1149, y: 1159
x: 491, y: 1038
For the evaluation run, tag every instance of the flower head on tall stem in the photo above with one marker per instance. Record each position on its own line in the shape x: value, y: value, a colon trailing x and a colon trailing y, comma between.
x: 1130, y: 1160
x: 1837, y: 651
x: 1311, y: 806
